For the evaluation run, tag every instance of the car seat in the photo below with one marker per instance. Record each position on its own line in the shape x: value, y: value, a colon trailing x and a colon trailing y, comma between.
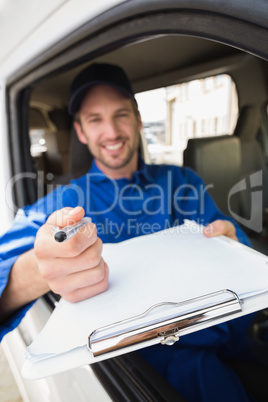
x: 217, y: 160
x: 252, y: 157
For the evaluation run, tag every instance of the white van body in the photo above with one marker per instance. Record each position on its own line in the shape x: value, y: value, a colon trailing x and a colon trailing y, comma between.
x: 28, y: 28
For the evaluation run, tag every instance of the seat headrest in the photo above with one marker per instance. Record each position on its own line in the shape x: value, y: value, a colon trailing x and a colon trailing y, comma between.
x: 37, y: 119
x: 218, y: 161
x: 80, y: 158
x: 248, y: 123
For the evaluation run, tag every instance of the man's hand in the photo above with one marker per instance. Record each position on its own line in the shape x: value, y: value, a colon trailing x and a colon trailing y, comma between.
x: 73, y: 269
x: 220, y: 227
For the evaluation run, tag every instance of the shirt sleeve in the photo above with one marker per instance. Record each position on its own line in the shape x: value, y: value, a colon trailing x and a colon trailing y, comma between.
x: 20, y: 238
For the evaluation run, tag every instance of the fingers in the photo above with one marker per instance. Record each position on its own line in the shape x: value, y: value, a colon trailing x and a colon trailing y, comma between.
x: 74, y: 268
x: 220, y: 227
x: 46, y: 245
x: 89, y: 291
x: 58, y: 267
x: 66, y: 216
x: 82, y: 285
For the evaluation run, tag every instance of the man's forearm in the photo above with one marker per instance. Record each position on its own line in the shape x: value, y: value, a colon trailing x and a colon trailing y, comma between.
x: 25, y: 284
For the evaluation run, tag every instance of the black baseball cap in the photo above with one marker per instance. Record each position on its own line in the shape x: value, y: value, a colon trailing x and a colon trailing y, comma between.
x: 98, y: 74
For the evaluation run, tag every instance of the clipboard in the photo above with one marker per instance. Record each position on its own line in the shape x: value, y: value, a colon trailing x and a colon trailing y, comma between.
x: 147, y: 304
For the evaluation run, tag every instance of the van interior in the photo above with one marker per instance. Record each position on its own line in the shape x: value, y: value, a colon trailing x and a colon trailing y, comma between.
x: 183, y: 59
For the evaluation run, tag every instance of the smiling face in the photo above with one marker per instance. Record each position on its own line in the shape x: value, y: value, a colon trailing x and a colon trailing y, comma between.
x: 110, y: 126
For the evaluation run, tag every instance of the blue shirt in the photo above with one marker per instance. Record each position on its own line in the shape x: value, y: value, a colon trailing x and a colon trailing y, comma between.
x: 155, y: 198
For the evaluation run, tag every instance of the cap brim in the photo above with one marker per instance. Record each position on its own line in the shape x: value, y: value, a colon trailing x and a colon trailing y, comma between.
x: 77, y: 97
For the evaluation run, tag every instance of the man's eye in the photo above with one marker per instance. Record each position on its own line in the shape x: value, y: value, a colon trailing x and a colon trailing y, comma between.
x: 96, y: 120
x: 122, y: 115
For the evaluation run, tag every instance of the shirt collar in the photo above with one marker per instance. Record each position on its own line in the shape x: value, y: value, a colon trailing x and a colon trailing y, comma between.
x: 143, y: 170
x: 96, y: 174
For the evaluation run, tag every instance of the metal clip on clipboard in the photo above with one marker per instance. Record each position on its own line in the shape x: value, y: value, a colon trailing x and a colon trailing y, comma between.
x: 164, y: 322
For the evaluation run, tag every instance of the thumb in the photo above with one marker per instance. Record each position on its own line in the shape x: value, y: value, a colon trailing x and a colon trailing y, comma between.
x: 66, y: 216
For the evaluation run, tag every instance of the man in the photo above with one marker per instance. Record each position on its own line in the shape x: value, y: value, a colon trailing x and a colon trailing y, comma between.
x: 125, y: 198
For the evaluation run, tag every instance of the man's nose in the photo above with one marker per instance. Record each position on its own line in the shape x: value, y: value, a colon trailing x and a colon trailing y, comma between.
x: 111, y: 128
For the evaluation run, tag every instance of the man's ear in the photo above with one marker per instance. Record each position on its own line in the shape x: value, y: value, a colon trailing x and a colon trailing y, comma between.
x: 80, y: 134
x: 139, y: 121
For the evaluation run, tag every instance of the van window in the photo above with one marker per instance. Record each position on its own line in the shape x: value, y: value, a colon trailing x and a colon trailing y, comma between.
x: 198, y: 108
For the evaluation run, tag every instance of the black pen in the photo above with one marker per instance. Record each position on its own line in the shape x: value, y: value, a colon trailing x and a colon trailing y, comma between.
x: 63, y: 234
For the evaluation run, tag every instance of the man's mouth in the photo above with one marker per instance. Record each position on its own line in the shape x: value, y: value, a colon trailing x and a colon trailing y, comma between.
x: 114, y: 147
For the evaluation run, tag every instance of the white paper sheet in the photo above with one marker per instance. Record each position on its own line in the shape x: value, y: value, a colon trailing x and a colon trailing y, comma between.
x: 169, y: 266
